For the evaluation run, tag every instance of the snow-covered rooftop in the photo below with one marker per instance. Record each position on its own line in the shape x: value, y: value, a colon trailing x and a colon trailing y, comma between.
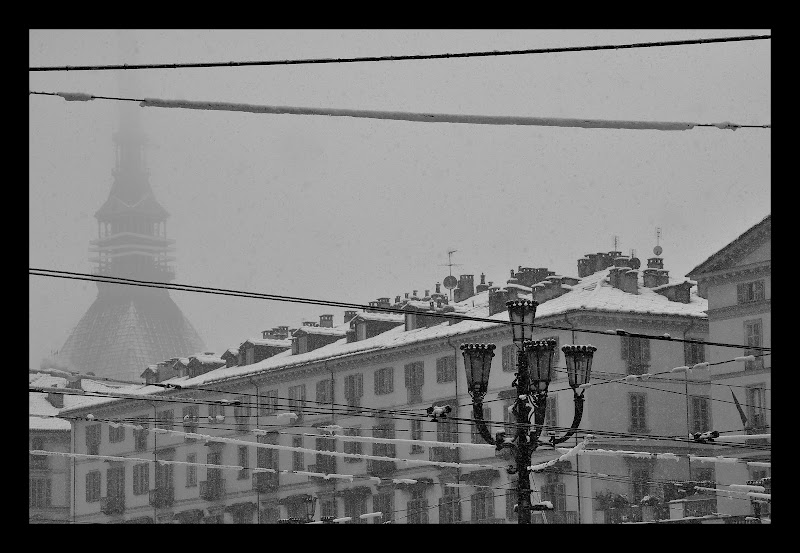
x: 383, y: 317
x: 269, y: 342
x: 591, y: 293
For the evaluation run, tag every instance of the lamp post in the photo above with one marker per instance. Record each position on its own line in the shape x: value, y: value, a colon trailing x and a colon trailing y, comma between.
x: 534, y: 368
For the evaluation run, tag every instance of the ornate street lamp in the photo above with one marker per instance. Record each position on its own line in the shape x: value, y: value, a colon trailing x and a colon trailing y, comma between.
x: 534, y: 372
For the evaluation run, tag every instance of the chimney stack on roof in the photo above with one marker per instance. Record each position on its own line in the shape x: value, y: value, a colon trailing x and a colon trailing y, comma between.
x: 326, y: 321
x: 482, y: 287
x: 397, y: 299
x: 655, y: 263
x: 497, y: 300
x: 438, y: 287
x: 349, y: 315
x: 465, y: 289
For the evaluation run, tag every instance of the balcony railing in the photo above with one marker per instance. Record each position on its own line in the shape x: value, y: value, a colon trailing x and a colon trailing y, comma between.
x: 380, y: 468
x: 265, y: 482
x: 443, y: 454
x: 211, y: 490
x: 560, y: 517
x: 162, y: 497
x: 112, y: 505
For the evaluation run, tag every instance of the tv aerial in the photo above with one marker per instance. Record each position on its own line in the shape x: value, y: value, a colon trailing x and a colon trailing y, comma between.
x: 657, y: 250
x: 450, y: 282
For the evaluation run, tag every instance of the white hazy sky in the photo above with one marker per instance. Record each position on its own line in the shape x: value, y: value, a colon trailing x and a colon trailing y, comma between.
x: 351, y: 209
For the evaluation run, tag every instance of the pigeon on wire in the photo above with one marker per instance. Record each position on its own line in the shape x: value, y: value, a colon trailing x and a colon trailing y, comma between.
x: 439, y: 411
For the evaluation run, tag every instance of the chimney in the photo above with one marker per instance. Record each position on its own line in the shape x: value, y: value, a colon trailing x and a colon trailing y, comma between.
x: 427, y: 293
x: 466, y: 288
x: 438, y: 288
x: 655, y: 263
x: 585, y: 267
x: 483, y: 278
x: 326, y: 321
x: 74, y: 383
x: 312, y: 323
x: 349, y: 315
x: 414, y: 295
x: 55, y: 399
x: 497, y: 301
x: 677, y: 292
x: 482, y: 287
x: 602, y: 261
x: 383, y: 302
x: 620, y: 261
x: 406, y: 295
x: 630, y: 281
x: 397, y: 299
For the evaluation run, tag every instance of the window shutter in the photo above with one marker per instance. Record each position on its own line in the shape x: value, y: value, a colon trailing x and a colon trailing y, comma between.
x: 741, y: 293
x: 489, y: 499
x: 645, y: 345
x: 321, y: 391
x: 759, y: 291
x: 419, y: 374
x: 409, y: 375
x: 360, y: 381
x: 377, y: 381
x: 626, y: 349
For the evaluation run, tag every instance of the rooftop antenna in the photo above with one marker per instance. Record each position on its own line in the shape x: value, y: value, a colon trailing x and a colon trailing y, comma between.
x: 450, y: 282
x: 616, y: 242
x: 657, y: 250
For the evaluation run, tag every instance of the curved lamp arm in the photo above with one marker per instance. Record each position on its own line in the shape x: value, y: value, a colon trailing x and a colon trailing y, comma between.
x: 576, y: 420
x: 477, y: 414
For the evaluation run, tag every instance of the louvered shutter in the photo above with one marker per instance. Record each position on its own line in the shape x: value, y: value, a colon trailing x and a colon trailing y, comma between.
x: 360, y: 384
x: 409, y: 369
x: 645, y: 345
x: 626, y: 348
x: 759, y: 291
x: 741, y: 293
x: 419, y: 374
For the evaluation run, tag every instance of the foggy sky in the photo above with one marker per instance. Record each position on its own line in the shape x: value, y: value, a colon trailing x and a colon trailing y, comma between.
x: 351, y: 209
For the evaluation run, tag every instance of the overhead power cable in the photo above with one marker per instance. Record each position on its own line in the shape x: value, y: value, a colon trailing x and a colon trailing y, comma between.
x: 485, y: 53
x: 417, y: 117
x: 293, y: 299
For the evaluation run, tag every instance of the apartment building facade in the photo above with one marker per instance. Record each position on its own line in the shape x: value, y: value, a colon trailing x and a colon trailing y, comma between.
x: 374, y: 383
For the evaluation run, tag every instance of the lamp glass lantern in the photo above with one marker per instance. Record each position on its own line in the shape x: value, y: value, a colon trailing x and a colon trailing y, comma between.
x: 540, y: 355
x: 579, y: 363
x: 521, y: 313
x: 477, y: 364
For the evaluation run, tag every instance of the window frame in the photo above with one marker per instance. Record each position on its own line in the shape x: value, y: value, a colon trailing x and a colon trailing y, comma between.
x: 638, y: 421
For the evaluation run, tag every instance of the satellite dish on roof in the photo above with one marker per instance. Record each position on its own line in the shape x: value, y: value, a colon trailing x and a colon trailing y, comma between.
x: 635, y: 263
x: 657, y: 250
x: 450, y: 282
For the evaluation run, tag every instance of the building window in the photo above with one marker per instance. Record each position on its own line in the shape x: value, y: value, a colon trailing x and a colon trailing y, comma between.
x: 140, y: 436
x: 354, y: 507
x: 115, y: 482
x: 267, y: 458
x: 93, y: 439
x: 638, y: 412
x: 449, y: 506
x: 551, y: 413
x: 482, y: 506
x: 556, y: 374
x: 416, y: 434
x: 270, y: 515
x: 756, y: 408
x: 693, y: 353
x: 445, y: 369
x: 191, y: 471
x: 554, y: 491
x: 383, y: 502
x: 415, y: 378
x: 39, y: 489
x: 191, y: 416
x: 141, y: 478
x: 509, y: 362
x: 244, y: 462
x: 241, y: 416
x: 38, y: 462
x: 417, y: 507
x: 327, y: 508
x: 476, y: 434
x: 242, y: 516
x: 753, y: 339
x: 700, y: 412
x: 325, y: 463
x: 352, y: 447
x: 384, y: 449
x: 636, y: 353
x: 164, y: 476
x: 165, y: 419
x: 216, y: 410
x: 447, y: 430
x: 750, y: 291
x: 116, y: 434
x: 640, y: 483
x: 353, y: 390
x: 297, y: 399
x: 384, y: 381
x: 325, y: 391
x: 511, y: 502
x: 269, y: 405
x: 298, y: 458
x: 93, y: 486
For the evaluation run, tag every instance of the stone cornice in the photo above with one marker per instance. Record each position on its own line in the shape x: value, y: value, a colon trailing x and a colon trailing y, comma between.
x: 740, y: 309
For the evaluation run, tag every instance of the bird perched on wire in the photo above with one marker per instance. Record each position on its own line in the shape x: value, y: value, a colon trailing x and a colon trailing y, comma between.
x: 439, y: 411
